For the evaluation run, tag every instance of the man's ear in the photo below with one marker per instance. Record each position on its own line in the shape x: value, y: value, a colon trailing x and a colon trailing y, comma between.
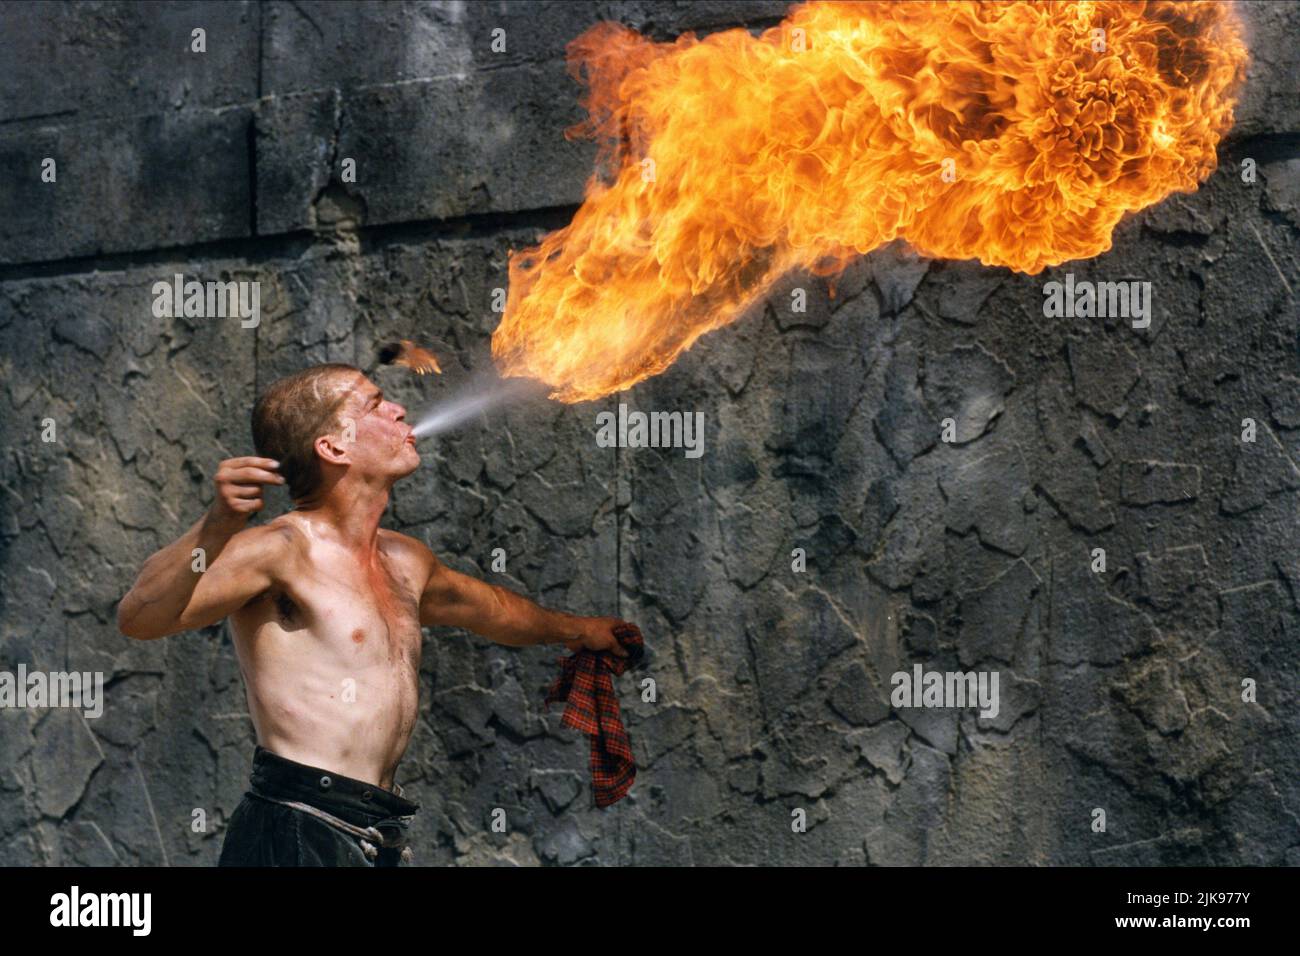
x: 333, y: 449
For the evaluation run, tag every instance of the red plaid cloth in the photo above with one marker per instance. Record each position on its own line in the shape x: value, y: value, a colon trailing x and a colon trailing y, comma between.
x: 585, y: 683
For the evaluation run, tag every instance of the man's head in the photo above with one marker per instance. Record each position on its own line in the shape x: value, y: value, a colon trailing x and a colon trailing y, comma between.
x: 327, y: 421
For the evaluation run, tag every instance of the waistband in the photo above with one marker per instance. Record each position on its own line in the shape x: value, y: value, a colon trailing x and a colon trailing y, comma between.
x: 359, y: 803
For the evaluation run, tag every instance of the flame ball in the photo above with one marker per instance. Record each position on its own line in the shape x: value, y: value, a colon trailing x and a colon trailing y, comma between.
x: 1018, y: 134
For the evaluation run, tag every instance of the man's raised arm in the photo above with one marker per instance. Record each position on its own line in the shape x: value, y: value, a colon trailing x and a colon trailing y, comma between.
x: 453, y: 599
x: 169, y: 595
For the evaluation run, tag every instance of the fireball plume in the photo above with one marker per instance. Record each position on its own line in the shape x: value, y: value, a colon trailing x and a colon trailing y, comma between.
x: 1017, y: 134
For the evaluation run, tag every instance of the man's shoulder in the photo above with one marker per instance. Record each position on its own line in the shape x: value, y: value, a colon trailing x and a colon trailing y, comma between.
x: 411, y: 554
x: 276, y: 539
x: 404, y: 545
x: 283, y: 530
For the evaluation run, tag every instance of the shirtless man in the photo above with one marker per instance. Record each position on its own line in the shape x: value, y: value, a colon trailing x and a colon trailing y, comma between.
x: 326, y: 609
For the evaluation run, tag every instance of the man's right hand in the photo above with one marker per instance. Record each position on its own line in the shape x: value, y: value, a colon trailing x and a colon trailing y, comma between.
x: 239, y: 484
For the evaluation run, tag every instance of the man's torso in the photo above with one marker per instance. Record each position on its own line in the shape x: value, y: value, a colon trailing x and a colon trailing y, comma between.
x: 331, y: 657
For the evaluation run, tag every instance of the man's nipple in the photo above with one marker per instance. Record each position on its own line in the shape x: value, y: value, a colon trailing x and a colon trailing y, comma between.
x: 358, y: 636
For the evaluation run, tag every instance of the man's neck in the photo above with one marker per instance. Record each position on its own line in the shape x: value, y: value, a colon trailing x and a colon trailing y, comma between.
x: 352, y: 513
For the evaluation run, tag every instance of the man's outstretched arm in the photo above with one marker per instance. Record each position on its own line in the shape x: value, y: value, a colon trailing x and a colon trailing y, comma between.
x: 452, y: 599
x: 170, y: 596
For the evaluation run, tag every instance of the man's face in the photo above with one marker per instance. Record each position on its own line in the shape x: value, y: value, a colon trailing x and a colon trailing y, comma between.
x: 373, y: 430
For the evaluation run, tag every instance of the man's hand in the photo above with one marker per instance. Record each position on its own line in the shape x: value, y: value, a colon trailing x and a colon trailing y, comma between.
x: 239, y: 484
x: 597, y: 634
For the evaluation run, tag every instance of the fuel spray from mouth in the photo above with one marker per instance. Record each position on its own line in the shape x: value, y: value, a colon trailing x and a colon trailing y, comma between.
x: 480, y: 394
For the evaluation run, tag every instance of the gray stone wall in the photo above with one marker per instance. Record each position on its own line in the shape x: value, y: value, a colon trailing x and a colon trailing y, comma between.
x: 1119, y: 690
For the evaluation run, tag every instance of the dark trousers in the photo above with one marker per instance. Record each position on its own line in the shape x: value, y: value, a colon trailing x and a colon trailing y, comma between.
x: 265, y: 833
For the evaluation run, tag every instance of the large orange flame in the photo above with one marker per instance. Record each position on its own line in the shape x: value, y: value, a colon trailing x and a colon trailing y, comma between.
x: 737, y: 159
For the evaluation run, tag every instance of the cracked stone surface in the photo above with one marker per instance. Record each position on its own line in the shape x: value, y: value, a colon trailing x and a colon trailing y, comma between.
x: 1120, y: 687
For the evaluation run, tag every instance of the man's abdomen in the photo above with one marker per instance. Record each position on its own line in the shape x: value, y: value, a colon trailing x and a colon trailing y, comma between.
x: 355, y: 720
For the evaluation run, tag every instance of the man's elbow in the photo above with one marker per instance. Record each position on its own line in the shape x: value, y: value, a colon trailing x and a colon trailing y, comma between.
x: 129, y: 625
x: 125, y: 625
x: 129, y: 628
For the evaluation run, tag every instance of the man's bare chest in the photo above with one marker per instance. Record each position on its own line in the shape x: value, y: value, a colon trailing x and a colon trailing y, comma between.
x: 365, y: 615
